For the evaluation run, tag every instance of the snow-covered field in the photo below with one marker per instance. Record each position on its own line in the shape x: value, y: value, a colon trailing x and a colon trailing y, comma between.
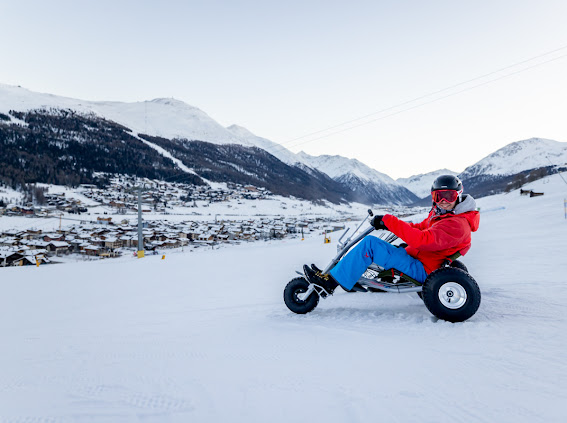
x: 205, y: 336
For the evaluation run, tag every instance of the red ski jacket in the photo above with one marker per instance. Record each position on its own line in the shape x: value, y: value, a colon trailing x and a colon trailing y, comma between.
x: 439, y: 236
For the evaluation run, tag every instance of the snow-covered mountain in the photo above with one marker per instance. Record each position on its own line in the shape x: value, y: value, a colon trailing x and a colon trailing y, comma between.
x: 533, y: 153
x: 162, y: 117
x: 514, y: 164
x: 369, y: 183
x: 420, y: 184
x: 247, y: 138
x: 169, y: 119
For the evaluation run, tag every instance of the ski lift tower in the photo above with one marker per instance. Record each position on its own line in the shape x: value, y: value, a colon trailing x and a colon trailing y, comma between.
x: 139, y: 188
x: 140, y: 225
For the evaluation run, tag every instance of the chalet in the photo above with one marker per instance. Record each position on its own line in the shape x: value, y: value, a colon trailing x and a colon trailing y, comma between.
x: 171, y: 243
x: 36, y: 244
x: 53, y: 237
x: 129, y: 241
x: 112, y: 242
x: 32, y: 234
x: 58, y: 247
x: 248, y: 234
x: 206, y: 237
x: 188, y: 234
x: 8, y: 242
x: 12, y: 258
x: 12, y: 233
x: 8, y: 258
x: 91, y: 250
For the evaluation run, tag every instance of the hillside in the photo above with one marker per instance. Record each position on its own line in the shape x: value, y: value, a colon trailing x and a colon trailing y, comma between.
x: 252, y: 165
x: 67, y: 148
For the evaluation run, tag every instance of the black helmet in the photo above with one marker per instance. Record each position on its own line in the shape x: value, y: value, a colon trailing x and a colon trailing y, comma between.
x: 448, y: 188
x: 447, y: 182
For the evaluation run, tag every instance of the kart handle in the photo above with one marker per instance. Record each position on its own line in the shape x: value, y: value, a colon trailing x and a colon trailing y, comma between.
x: 339, y: 245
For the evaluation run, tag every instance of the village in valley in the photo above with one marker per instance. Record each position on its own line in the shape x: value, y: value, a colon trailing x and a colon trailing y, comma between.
x: 96, y: 223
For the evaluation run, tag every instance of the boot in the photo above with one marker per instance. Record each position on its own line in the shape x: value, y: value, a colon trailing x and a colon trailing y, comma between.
x: 325, y: 281
x: 317, y: 270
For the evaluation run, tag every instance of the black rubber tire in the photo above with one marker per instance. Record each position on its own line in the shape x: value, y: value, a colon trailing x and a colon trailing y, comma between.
x: 440, y: 277
x: 456, y: 264
x: 459, y: 265
x: 297, y: 286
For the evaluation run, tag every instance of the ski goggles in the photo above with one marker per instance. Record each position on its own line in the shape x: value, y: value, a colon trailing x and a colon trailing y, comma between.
x: 448, y: 195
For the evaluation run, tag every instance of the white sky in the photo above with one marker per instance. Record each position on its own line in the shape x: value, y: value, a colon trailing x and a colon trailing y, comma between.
x: 284, y: 69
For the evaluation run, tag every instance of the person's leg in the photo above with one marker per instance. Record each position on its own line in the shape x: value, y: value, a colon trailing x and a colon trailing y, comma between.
x: 372, y: 249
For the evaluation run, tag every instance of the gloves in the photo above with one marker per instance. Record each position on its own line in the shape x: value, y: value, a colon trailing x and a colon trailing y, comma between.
x: 377, y: 222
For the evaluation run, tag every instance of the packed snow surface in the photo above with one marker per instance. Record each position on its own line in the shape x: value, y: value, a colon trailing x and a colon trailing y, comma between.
x: 204, y: 336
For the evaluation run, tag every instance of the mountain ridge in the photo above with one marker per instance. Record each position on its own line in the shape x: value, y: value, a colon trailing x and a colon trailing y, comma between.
x: 172, y: 119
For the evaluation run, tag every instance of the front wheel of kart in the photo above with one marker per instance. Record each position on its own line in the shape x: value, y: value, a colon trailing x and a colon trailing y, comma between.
x: 292, y: 293
x: 451, y: 294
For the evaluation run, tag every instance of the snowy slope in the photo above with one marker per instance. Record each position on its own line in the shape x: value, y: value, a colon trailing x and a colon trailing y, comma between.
x: 177, y: 340
x: 248, y: 138
x: 420, y: 184
x: 163, y: 117
x: 519, y: 156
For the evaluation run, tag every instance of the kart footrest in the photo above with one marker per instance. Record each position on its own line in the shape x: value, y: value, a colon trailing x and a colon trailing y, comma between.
x: 358, y: 288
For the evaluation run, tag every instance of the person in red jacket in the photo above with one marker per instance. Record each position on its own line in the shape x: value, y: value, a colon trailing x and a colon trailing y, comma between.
x: 446, y: 230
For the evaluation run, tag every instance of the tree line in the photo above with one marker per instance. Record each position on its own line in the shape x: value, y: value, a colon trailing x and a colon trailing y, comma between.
x: 63, y: 147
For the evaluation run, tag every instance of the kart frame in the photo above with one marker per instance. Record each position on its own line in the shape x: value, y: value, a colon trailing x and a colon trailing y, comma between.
x: 402, y: 286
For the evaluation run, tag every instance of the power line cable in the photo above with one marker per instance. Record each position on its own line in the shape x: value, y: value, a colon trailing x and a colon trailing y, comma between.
x: 186, y: 176
x: 283, y: 145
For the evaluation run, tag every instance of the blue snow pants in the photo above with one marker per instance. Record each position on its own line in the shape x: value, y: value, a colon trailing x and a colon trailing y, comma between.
x: 372, y: 249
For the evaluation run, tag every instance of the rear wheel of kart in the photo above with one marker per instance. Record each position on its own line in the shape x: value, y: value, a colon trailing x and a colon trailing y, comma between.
x: 451, y: 294
x: 456, y: 264
x: 459, y: 265
x: 292, y: 291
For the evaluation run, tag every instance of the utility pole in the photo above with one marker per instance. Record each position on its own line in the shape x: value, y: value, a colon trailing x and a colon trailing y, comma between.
x: 140, y: 231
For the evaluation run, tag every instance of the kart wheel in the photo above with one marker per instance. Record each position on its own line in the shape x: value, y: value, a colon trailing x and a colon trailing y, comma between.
x: 451, y: 294
x: 459, y: 265
x: 293, y: 289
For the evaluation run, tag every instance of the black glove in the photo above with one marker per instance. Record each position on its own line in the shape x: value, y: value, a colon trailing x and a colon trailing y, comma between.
x: 377, y: 222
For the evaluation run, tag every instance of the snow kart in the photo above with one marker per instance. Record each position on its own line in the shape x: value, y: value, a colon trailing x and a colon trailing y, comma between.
x: 450, y: 292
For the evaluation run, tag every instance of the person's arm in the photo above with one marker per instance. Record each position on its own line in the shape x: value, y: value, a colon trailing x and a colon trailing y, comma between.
x: 420, y: 225
x: 442, y: 235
